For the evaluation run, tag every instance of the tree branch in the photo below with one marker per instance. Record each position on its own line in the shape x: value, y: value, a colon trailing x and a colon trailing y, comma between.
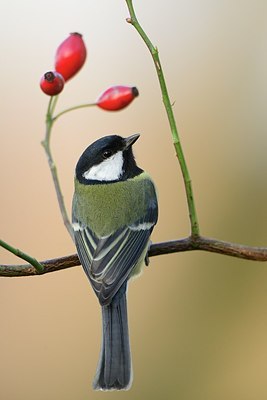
x: 175, y: 246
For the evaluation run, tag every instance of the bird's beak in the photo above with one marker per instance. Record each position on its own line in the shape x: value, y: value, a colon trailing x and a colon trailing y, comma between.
x: 129, y: 141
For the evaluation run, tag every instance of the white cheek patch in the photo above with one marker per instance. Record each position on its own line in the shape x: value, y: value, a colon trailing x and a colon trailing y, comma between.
x: 108, y: 170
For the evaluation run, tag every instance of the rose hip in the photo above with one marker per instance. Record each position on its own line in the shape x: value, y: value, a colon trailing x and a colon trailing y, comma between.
x: 117, y: 97
x: 52, y: 83
x: 70, y: 56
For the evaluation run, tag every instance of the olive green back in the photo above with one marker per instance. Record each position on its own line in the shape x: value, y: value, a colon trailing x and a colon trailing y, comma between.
x: 107, y: 207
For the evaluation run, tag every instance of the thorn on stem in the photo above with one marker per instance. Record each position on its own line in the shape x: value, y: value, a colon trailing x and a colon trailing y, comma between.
x: 158, y: 65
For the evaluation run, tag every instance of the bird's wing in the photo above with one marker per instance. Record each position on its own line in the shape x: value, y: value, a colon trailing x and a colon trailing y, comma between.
x: 108, y: 261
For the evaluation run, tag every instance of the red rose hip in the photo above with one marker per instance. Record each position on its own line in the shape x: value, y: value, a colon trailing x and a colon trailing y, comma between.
x: 117, y: 97
x: 70, y: 56
x: 52, y: 83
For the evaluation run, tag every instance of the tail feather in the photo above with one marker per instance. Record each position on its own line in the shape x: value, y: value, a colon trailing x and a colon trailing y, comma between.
x: 114, y: 371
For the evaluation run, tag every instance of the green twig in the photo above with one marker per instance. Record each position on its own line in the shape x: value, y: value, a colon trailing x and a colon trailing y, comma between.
x: 39, y: 268
x: 168, y: 106
x: 72, y: 109
x: 46, y: 144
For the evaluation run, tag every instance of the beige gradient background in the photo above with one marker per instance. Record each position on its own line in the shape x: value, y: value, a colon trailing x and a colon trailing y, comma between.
x: 198, y: 321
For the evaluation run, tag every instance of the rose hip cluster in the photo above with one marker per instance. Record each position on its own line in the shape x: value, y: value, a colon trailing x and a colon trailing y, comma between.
x: 69, y: 59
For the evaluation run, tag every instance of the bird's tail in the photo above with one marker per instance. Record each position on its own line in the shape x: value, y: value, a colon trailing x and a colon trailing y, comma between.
x: 114, y: 371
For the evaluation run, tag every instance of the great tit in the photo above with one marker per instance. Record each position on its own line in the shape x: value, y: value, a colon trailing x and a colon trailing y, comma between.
x: 114, y: 211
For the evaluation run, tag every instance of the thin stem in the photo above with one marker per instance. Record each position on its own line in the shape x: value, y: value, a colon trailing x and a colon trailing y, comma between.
x: 72, y: 109
x: 168, y: 107
x: 46, y: 144
x: 38, y: 267
x: 51, y: 102
x: 54, y: 103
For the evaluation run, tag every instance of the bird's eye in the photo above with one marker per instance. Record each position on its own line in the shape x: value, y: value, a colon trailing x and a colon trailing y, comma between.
x: 107, y: 154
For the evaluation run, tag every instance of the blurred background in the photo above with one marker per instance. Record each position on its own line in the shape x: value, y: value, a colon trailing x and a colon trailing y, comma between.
x: 198, y: 321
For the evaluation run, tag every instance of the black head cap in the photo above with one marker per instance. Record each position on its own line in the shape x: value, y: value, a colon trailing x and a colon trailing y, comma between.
x: 104, y: 148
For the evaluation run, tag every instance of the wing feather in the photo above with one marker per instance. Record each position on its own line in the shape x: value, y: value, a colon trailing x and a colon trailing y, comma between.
x: 109, y: 261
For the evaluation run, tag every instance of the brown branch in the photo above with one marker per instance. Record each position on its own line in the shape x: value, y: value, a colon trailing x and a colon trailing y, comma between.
x: 174, y: 246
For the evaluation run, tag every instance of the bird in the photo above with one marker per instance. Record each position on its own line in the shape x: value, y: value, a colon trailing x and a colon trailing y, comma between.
x: 114, y: 211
